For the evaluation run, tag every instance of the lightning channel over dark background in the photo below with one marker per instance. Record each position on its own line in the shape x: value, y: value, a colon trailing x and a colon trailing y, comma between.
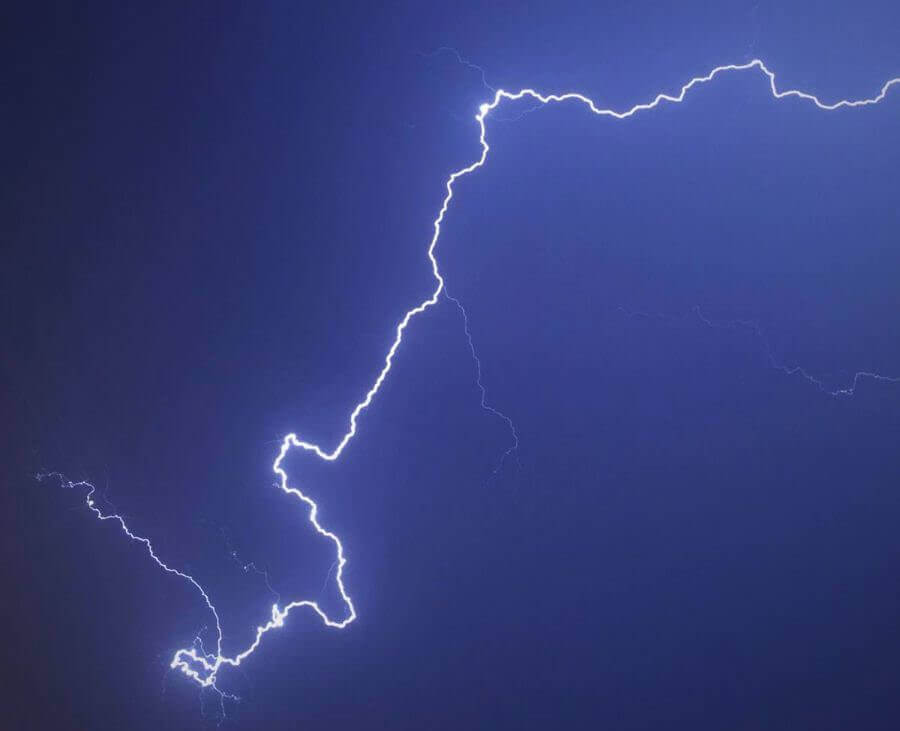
x: 213, y: 216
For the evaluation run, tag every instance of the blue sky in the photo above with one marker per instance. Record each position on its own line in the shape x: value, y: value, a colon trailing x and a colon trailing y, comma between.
x: 216, y: 217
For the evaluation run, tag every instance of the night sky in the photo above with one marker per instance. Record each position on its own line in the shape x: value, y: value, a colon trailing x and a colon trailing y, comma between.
x: 213, y: 216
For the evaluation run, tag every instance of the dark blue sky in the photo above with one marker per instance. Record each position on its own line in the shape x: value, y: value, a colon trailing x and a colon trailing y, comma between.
x: 213, y: 218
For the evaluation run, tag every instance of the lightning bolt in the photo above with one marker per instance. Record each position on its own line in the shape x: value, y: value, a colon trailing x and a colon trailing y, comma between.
x: 484, y: 404
x: 774, y: 362
x: 203, y: 667
x: 795, y: 370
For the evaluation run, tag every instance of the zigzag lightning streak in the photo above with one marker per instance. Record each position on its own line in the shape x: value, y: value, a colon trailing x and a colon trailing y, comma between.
x: 203, y: 667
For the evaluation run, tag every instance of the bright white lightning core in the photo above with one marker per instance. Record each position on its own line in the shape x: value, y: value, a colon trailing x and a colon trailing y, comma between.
x: 203, y: 667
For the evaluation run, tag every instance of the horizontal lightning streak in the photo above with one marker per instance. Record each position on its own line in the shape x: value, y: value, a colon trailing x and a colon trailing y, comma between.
x: 203, y: 667
x: 774, y: 362
x: 756, y: 329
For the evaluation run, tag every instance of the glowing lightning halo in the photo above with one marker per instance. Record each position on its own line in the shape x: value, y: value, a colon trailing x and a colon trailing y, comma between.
x: 203, y: 667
